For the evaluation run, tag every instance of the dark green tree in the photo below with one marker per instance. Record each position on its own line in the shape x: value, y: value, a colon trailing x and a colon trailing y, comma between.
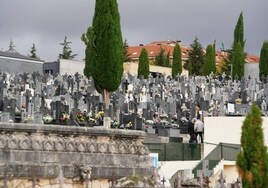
x: 238, y: 61
x: 88, y: 38
x: 160, y: 58
x: 177, y: 61
x: 127, y: 57
x: 196, y: 59
x: 33, y: 52
x: 209, y: 65
x: 105, y: 49
x: 143, y: 69
x: 239, y: 31
x: 67, y: 53
x: 263, y: 64
x: 167, y: 60
x: 252, y: 160
x: 236, y: 51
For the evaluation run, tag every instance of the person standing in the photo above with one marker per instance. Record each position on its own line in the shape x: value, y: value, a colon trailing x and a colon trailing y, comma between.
x: 199, y: 129
x: 191, y: 131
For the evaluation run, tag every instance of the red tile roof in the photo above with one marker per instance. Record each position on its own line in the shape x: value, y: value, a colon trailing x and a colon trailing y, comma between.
x: 153, y: 49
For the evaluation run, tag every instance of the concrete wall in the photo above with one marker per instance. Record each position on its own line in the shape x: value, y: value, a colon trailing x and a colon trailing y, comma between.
x: 252, y: 70
x: 132, y: 68
x: 70, y: 67
x: 14, y: 65
x: 227, y: 130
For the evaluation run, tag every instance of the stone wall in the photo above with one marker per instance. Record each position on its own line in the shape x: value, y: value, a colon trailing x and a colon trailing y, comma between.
x: 50, y: 152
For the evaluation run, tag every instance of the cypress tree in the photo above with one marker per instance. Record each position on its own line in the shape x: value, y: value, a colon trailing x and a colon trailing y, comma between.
x: 177, y: 61
x: 239, y: 31
x: 106, y: 48
x: 143, y: 69
x: 252, y: 160
x: 238, y: 61
x: 238, y: 50
x: 263, y: 64
x: 209, y: 65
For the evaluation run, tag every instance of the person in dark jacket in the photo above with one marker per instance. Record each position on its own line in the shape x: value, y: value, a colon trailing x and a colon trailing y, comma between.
x: 191, y: 131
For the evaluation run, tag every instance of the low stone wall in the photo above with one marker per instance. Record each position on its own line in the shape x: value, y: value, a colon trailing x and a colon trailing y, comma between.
x: 68, y: 152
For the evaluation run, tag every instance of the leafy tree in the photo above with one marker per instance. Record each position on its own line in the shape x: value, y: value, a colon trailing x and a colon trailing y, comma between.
x: 252, y: 160
x: 66, y: 51
x: 33, y: 52
x: 177, y: 61
x: 167, y: 60
x: 127, y: 57
x: 196, y: 59
x: 160, y: 58
x: 143, y: 69
x: 263, y: 64
x: 238, y: 61
x: 209, y: 65
x: 105, y: 48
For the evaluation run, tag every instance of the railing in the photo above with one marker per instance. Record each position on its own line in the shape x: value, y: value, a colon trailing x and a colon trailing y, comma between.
x: 175, y: 151
x: 221, y: 151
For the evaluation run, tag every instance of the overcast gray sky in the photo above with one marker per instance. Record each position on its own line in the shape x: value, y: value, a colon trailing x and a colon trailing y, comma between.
x: 46, y: 22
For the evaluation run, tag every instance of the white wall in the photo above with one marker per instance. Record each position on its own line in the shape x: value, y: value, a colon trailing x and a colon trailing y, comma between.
x: 226, y: 130
x: 70, y: 67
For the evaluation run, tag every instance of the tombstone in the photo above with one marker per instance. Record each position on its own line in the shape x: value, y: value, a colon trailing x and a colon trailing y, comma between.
x: 37, y: 118
x: 5, y: 117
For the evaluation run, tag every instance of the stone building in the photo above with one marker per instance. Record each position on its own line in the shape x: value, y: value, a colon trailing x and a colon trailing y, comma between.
x: 12, y: 61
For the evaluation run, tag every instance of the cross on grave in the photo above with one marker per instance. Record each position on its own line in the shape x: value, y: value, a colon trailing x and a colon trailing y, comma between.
x: 205, y: 173
x: 77, y: 80
x: 222, y: 180
x: 27, y: 94
x: 163, y: 181
x: 126, y: 83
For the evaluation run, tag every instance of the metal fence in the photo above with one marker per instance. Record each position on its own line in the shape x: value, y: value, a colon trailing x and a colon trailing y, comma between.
x: 224, y: 151
x: 175, y: 151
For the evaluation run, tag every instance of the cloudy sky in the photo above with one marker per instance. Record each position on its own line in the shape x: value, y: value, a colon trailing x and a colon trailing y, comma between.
x: 46, y: 22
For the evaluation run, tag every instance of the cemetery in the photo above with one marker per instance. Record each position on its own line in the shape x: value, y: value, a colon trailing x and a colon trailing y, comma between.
x: 160, y: 106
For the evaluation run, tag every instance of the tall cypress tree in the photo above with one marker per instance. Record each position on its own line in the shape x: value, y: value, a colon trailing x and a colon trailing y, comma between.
x: 238, y: 49
x: 143, y: 69
x: 209, y: 65
x: 252, y: 161
x: 238, y: 61
x: 106, y: 48
x: 177, y: 61
x: 263, y: 64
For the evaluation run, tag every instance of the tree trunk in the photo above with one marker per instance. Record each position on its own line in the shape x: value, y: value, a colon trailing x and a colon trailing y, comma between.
x: 106, y: 100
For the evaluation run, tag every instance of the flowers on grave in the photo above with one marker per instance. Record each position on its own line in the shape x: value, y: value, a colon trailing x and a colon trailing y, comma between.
x: 99, y: 115
x: 47, y: 118
x: 64, y: 117
x: 163, y: 116
x: 80, y: 116
x: 114, y: 124
x: 28, y: 118
x: 129, y: 125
